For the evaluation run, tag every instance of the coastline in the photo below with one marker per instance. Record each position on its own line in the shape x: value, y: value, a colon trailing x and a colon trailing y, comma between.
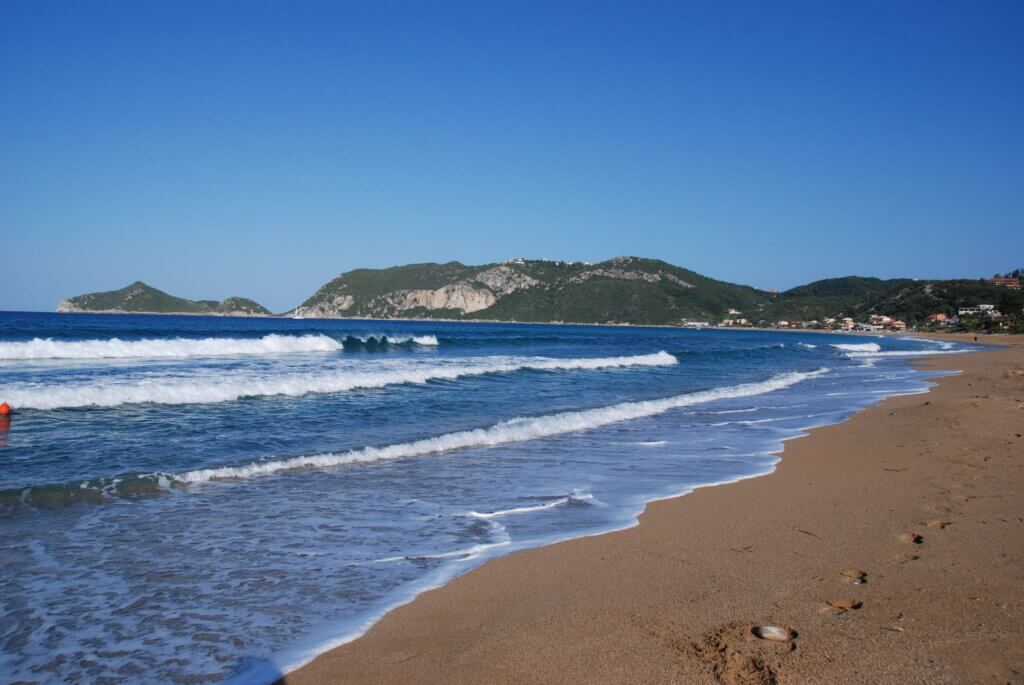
x: 121, y: 312
x: 285, y: 315
x: 674, y: 597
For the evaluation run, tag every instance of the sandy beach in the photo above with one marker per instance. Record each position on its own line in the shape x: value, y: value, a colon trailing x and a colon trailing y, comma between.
x: 921, y: 494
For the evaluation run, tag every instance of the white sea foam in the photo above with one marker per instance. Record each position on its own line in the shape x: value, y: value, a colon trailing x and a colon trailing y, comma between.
x: 514, y: 430
x: 520, y: 510
x: 808, y: 346
x: 576, y: 496
x: 753, y: 422
x: 115, y: 348
x: 944, y: 344
x: 858, y: 347
x: 871, y: 351
x: 174, y: 391
x: 465, y: 554
x: 898, y: 353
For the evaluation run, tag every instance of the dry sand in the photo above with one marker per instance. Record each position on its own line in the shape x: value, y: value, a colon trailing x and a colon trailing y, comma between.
x: 675, y: 598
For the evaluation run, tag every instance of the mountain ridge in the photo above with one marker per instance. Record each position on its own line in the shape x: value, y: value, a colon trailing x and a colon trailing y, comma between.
x: 622, y: 290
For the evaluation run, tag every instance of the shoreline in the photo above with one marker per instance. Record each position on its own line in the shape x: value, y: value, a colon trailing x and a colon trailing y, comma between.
x: 475, y: 614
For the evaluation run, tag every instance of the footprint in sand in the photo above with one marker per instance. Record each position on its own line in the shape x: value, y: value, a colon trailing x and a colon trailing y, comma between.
x: 910, y: 537
x: 855, y: 576
x: 846, y: 604
x: 904, y: 557
x: 734, y: 654
x: 835, y: 607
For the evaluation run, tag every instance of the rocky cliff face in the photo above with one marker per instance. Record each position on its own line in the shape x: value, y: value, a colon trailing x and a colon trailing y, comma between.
x: 67, y: 307
x: 334, y: 308
x: 477, y: 290
x: 461, y: 296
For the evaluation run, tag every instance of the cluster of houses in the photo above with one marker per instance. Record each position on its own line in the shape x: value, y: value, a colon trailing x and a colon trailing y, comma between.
x: 1010, y: 282
x: 987, y: 311
x: 875, y: 322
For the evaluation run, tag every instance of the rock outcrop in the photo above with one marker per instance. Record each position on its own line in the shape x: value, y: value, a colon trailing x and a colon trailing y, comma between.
x: 460, y: 296
x: 630, y: 276
x: 334, y: 308
x: 503, y: 279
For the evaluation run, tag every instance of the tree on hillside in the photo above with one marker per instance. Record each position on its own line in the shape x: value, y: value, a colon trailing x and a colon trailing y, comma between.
x: 1011, y: 302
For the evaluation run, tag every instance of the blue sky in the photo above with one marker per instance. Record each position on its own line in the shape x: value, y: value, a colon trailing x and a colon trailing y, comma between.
x: 260, y: 148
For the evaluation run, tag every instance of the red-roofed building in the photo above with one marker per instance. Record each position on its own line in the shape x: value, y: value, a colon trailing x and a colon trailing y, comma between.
x: 1011, y: 283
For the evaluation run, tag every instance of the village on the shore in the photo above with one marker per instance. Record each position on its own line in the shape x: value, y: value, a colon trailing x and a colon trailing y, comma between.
x: 979, y: 317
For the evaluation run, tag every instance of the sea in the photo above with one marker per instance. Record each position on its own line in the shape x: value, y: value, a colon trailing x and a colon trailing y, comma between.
x: 202, y: 499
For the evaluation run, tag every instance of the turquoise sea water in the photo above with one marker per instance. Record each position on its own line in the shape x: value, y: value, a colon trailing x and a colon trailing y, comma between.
x: 196, y: 500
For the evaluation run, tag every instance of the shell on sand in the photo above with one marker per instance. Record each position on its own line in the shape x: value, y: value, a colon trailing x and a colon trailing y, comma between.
x: 910, y: 537
x: 830, y: 610
x: 938, y: 523
x: 845, y: 603
x: 776, y: 633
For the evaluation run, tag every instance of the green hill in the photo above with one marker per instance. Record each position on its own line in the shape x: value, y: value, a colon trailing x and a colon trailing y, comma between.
x: 912, y: 301
x: 827, y: 298
x: 903, y: 298
x: 139, y: 298
x: 621, y: 290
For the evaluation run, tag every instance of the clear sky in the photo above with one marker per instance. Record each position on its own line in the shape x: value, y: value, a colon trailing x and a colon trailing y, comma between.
x: 217, y: 148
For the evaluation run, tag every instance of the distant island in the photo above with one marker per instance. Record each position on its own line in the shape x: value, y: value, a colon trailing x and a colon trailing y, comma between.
x: 139, y: 298
x: 623, y: 290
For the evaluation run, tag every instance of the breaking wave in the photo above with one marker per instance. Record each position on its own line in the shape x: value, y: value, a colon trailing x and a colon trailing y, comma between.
x: 115, y: 348
x: 375, y: 342
x: 858, y: 347
x: 512, y: 431
x: 160, y: 391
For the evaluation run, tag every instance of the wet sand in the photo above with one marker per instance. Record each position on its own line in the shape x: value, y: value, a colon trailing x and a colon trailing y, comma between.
x: 675, y: 598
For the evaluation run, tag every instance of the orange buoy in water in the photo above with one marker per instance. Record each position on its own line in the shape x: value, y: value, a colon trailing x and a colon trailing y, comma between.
x: 5, y: 409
